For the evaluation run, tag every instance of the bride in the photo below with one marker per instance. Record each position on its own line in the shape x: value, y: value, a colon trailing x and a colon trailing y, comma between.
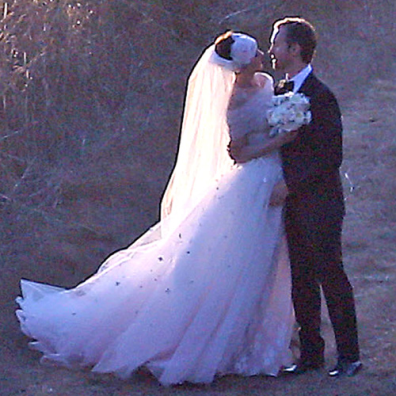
x: 206, y: 291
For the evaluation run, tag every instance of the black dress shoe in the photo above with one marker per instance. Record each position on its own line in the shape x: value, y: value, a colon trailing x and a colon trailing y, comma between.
x: 302, y: 366
x: 345, y: 368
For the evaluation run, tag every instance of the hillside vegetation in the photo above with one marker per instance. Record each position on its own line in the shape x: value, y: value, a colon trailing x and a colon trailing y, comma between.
x: 91, y: 100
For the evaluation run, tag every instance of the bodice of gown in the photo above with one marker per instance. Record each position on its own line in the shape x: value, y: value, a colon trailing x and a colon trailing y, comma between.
x: 247, y: 113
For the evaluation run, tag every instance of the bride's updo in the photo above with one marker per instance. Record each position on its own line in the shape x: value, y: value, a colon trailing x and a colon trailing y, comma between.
x: 223, y: 45
x: 234, y: 50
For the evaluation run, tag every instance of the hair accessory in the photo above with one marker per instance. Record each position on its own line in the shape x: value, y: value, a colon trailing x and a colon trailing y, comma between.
x: 243, y: 50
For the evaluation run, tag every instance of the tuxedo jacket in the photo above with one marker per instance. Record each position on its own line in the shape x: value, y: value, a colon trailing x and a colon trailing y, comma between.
x: 312, y: 161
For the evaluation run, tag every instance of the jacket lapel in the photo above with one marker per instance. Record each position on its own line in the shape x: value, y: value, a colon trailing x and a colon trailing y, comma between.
x: 308, y: 85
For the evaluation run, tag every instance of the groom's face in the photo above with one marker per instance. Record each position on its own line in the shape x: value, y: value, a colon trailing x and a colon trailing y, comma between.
x: 281, y: 57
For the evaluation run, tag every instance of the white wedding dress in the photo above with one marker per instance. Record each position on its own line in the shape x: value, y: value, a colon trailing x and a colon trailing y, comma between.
x: 211, y: 297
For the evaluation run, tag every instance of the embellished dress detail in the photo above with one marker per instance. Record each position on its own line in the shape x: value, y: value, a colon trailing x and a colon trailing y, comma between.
x: 211, y: 297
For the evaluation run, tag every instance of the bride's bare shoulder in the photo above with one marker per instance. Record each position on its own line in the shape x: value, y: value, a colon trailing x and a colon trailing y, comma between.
x: 264, y: 79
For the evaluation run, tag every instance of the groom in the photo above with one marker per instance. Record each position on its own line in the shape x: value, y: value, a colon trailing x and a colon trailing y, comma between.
x: 314, y: 206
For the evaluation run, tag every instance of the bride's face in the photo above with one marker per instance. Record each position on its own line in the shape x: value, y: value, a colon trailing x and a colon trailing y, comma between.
x: 256, y: 64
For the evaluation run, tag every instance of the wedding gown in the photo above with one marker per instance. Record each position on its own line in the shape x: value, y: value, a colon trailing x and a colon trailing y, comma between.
x: 210, y: 298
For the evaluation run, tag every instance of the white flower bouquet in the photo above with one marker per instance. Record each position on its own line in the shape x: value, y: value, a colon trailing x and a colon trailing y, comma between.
x: 288, y: 112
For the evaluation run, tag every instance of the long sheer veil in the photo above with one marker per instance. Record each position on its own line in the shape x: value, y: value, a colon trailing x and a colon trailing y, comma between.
x: 202, y: 156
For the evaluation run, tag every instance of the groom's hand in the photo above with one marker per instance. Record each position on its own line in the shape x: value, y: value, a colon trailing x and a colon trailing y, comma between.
x: 237, y: 150
x: 241, y: 152
x: 239, y: 155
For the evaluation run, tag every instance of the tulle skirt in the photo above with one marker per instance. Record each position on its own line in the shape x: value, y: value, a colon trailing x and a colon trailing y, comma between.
x: 212, y: 297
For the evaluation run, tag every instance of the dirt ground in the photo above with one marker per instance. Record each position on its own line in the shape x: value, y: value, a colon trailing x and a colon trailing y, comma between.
x: 370, y: 259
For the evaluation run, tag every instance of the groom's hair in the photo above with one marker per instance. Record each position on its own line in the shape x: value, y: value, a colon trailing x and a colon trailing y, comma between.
x: 301, y: 32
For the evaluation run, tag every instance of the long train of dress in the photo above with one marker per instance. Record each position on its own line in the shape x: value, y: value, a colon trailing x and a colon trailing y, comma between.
x: 211, y: 298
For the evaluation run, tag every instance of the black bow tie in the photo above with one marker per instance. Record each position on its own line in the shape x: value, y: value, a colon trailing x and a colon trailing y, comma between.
x: 284, y: 86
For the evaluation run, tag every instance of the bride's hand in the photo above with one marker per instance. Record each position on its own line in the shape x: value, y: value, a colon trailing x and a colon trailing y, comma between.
x: 279, y: 194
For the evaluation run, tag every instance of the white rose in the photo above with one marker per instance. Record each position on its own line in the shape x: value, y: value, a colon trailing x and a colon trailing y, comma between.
x: 299, y: 118
x: 274, y: 116
x: 277, y: 100
x: 300, y: 98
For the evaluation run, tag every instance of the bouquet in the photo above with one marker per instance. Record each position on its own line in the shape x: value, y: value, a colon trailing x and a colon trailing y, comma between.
x: 288, y: 112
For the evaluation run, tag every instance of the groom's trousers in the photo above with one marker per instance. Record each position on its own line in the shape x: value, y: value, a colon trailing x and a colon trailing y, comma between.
x: 314, y: 239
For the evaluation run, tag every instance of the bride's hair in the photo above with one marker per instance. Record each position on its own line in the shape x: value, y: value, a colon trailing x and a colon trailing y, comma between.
x: 223, y: 45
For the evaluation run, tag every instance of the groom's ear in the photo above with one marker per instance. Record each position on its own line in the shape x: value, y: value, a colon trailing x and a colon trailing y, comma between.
x: 295, y: 49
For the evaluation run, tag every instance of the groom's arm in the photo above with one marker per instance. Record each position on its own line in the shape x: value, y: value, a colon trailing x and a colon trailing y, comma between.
x: 322, y: 147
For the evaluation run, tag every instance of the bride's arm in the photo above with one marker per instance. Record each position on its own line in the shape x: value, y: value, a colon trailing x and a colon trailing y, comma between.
x: 240, y: 151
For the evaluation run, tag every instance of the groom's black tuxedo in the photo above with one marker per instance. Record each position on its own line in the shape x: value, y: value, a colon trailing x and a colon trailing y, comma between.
x: 311, y: 162
x: 314, y: 212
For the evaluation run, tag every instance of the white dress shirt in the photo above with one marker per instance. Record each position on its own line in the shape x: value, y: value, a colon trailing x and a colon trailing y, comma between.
x: 299, y: 78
